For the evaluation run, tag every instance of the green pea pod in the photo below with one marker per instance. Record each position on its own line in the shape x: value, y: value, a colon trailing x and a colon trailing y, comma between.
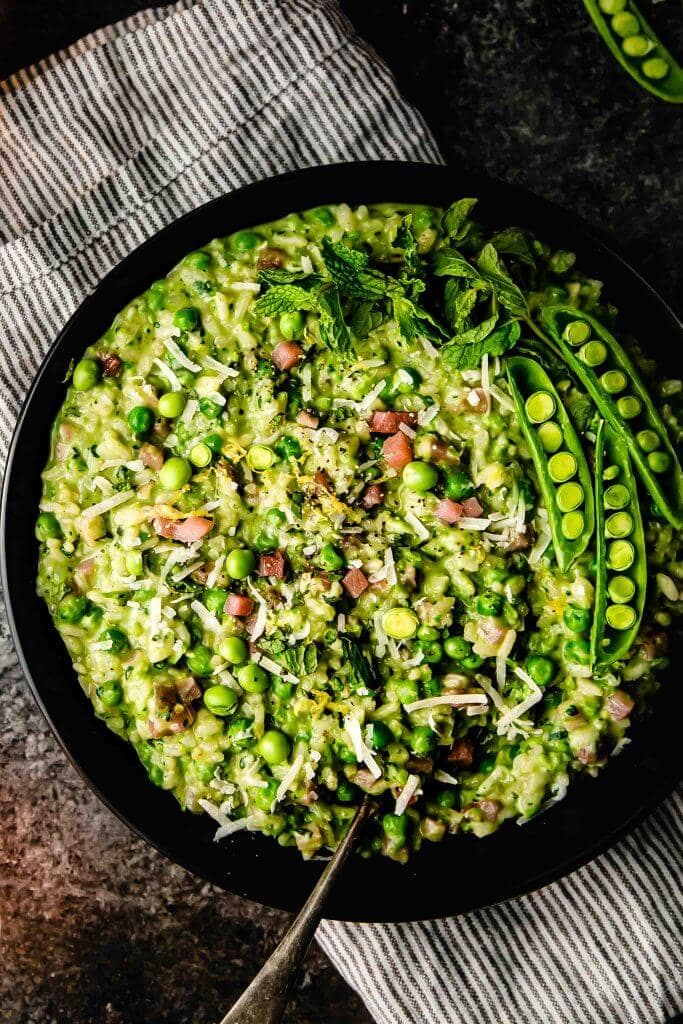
x: 621, y: 578
x: 602, y: 366
x: 561, y: 467
x: 637, y: 48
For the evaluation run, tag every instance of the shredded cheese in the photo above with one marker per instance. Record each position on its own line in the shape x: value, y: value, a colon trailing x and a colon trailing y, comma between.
x: 189, y: 410
x: 512, y: 714
x: 168, y: 374
x: 449, y: 780
x: 220, y: 368
x: 408, y: 431
x: 371, y: 396
x: 227, y: 827
x: 180, y: 356
x: 470, y: 523
x: 362, y: 752
x: 407, y: 793
x: 207, y: 618
x: 261, y: 615
x: 289, y: 777
x: 453, y: 700
x: 418, y: 526
x: 107, y: 505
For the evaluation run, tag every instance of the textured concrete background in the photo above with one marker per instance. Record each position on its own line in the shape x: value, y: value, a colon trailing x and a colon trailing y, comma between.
x: 95, y: 928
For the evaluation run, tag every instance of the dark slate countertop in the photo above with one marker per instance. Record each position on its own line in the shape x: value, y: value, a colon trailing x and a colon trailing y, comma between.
x: 96, y: 927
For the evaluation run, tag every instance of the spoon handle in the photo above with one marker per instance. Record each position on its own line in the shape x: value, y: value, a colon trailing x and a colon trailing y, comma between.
x: 265, y: 1000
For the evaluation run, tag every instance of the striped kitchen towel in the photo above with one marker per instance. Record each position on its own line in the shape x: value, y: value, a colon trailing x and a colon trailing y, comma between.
x: 101, y: 146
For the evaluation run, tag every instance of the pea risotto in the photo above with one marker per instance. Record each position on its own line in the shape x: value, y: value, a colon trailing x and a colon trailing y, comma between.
x: 370, y: 500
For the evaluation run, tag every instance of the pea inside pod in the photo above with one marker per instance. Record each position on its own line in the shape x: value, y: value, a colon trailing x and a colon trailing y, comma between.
x: 623, y: 400
x: 621, y: 573
x: 560, y: 463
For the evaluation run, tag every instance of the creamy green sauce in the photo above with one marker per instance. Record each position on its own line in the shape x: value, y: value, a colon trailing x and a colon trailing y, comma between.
x: 277, y: 718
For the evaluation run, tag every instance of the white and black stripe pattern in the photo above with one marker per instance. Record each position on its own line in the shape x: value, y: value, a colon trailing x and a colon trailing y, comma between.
x: 104, y: 144
x: 602, y: 946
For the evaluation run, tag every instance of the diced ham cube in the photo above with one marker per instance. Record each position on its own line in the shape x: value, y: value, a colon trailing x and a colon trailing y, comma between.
x: 491, y: 632
x: 476, y: 400
x: 521, y: 541
x: 307, y: 419
x: 471, y: 508
x: 449, y: 511
x: 322, y: 481
x: 272, y: 565
x: 239, y: 606
x: 187, y: 690
x: 420, y: 764
x: 490, y: 809
x: 355, y: 582
x: 287, y: 354
x: 389, y: 422
x: 619, y: 705
x: 441, y: 451
x: 111, y: 364
x: 152, y: 457
x: 397, y: 451
x: 372, y: 496
x: 269, y: 259
x: 586, y: 755
x: 186, y: 530
x: 461, y: 754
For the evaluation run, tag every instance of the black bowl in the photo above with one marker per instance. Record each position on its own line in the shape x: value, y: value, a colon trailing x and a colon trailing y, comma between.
x: 461, y: 873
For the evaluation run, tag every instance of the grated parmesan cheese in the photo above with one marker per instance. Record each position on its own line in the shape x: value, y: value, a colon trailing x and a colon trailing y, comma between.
x: 189, y: 410
x: 212, y: 578
x: 408, y: 431
x: 427, y: 415
x: 453, y: 700
x: 371, y: 396
x: 470, y: 523
x: 109, y: 503
x: 407, y: 793
x: 515, y: 713
x: 168, y: 374
x: 207, y: 618
x: 180, y: 356
x: 418, y: 526
x: 219, y: 368
x: 289, y: 777
x: 449, y: 780
x: 362, y: 752
x: 261, y: 615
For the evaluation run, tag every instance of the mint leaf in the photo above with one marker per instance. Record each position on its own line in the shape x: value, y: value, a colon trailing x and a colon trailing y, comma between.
x: 284, y: 298
x: 275, y: 275
x: 456, y: 223
x: 475, y: 334
x: 504, y: 288
x: 348, y: 270
x: 450, y: 263
x: 405, y: 239
x: 333, y: 331
x: 362, y: 675
x: 515, y: 242
x: 458, y: 303
x: 413, y: 320
x: 468, y: 356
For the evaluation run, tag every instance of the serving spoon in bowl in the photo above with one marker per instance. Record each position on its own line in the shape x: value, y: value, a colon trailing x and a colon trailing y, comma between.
x: 266, y: 998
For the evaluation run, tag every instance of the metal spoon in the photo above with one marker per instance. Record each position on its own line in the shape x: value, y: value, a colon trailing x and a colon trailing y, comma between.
x: 265, y: 1000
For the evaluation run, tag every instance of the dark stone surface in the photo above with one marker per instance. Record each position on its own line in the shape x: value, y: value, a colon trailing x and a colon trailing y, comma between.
x: 96, y: 928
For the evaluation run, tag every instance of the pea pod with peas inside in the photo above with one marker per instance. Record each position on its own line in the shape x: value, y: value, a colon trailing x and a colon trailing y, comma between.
x: 621, y: 575
x: 600, y: 363
x: 563, y: 473
x: 637, y: 48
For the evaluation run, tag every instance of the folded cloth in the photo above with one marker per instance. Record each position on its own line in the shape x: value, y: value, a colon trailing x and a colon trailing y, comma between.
x: 100, y: 147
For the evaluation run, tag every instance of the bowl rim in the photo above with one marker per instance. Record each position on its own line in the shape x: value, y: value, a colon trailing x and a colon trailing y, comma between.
x: 365, y: 893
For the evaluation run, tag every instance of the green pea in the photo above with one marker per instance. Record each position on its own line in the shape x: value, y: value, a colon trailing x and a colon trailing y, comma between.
x: 239, y: 563
x: 540, y: 668
x: 539, y: 406
x: 428, y: 633
x: 331, y: 558
x: 240, y: 733
x: 172, y: 404
x: 655, y: 68
x: 620, y: 616
x: 252, y: 678
x: 648, y: 440
x: 432, y: 652
x: 612, y: 6
x: 199, y: 260
x: 629, y: 407
x: 274, y: 747
x: 381, y: 735
x: 345, y: 792
x: 94, y: 614
x: 214, y: 442
x: 458, y: 485
x: 220, y: 700
x: 457, y: 647
x: 487, y: 765
x: 593, y: 353
x: 264, y: 542
x: 200, y: 455
x: 447, y: 798
x: 625, y: 24
x: 155, y: 296
x: 204, y: 772
x: 400, y: 623
x: 175, y: 473
x: 611, y: 473
x: 140, y: 420
x: 186, y: 318
x: 324, y: 216
x: 210, y: 409
x: 621, y: 589
x: 265, y: 796
x: 422, y: 740
x: 562, y: 466
x: 199, y: 660
x: 407, y: 691
x: 572, y: 525
x: 260, y: 457
x: 617, y: 496
x: 613, y: 381
x: 472, y: 661
x: 578, y: 651
x: 635, y: 46
x: 215, y: 599
x: 291, y: 325
x: 47, y: 526
x: 282, y: 690
x: 620, y: 555
x: 134, y: 563
x: 569, y: 496
x: 490, y: 603
x: 550, y: 436
x: 577, y: 331
x: 620, y: 524
x: 72, y: 608
x: 110, y: 693
x: 576, y: 619
x: 395, y: 828
x: 156, y: 774
x: 234, y: 650
x: 659, y: 462
x: 275, y: 517
x: 86, y: 374
x: 118, y: 639
x: 245, y: 241
x: 288, y: 447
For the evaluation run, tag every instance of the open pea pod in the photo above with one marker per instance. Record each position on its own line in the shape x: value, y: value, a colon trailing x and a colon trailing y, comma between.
x: 621, y: 577
x: 603, y: 367
x: 561, y: 467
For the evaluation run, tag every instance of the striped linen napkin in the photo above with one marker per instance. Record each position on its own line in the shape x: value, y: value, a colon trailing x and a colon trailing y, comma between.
x: 104, y: 144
